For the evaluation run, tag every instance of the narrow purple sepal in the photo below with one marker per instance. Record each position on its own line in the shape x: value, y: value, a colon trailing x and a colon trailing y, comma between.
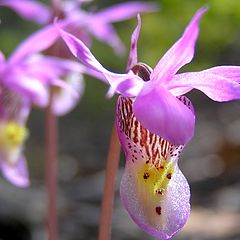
x: 133, y: 55
x: 220, y: 84
x: 44, y: 38
x: 180, y: 53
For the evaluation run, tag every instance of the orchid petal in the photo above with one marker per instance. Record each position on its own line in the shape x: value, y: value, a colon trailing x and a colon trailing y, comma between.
x: 29, y: 10
x: 153, y: 189
x: 163, y: 114
x: 44, y: 39
x: 230, y: 72
x: 36, y: 42
x: 123, y: 11
x: 180, y: 53
x: 17, y: 173
x: 133, y: 57
x: 65, y: 100
x: 28, y: 86
x: 13, y: 107
x: 126, y: 84
x: 64, y: 66
x: 217, y: 87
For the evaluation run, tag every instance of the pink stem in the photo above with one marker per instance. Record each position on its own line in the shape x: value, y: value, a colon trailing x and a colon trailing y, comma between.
x: 109, y: 187
x: 51, y: 172
x: 51, y: 135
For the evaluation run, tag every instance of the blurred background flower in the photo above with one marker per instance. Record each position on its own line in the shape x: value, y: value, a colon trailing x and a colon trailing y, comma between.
x: 211, y: 161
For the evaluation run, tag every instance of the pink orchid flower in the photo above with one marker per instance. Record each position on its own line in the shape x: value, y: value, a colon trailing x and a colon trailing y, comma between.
x: 155, y: 104
x: 154, y: 123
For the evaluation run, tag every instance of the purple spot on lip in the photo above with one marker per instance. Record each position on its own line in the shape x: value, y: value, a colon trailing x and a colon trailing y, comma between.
x: 158, y: 210
x: 146, y: 176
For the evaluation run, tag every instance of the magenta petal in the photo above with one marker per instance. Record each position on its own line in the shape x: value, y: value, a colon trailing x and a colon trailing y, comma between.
x: 133, y: 57
x: 30, y: 10
x: 163, y: 114
x: 44, y: 38
x: 36, y: 91
x: 230, y: 72
x: 17, y: 174
x: 217, y: 87
x: 123, y: 11
x: 126, y: 84
x: 180, y: 53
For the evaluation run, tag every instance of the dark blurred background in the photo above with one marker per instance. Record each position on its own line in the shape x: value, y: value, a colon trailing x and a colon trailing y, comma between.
x: 211, y: 162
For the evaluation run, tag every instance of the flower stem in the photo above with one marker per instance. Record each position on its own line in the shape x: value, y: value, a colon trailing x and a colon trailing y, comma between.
x: 109, y: 186
x: 51, y: 171
x: 51, y: 164
x: 56, y: 6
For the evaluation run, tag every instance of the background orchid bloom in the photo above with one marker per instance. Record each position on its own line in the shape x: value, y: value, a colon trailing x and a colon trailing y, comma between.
x: 156, y: 105
x: 25, y: 79
x: 14, y: 111
x: 31, y: 74
x: 98, y: 24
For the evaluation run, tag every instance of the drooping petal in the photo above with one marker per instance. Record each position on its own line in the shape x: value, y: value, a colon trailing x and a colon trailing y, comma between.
x: 217, y: 87
x: 163, y: 114
x: 153, y: 189
x: 64, y: 100
x: 30, y: 10
x: 17, y: 173
x: 133, y: 56
x: 125, y: 84
x: 28, y: 86
x: 180, y: 53
x: 13, y: 106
